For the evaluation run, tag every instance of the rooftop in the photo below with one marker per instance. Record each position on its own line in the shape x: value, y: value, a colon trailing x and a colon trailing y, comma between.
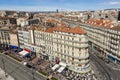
x: 100, y: 23
x: 117, y: 28
x: 13, y: 31
x: 75, y: 30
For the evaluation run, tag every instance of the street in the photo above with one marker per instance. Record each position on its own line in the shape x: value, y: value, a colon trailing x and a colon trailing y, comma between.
x: 19, y: 71
x: 108, y: 73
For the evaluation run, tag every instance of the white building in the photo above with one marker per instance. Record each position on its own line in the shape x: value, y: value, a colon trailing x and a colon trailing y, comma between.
x: 66, y: 45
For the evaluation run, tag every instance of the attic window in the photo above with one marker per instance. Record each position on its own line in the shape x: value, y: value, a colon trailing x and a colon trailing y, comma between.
x: 106, y: 16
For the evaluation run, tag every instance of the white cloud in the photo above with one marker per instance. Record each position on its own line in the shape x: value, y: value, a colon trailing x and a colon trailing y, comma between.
x: 31, y: 8
x: 111, y: 3
x: 114, y: 3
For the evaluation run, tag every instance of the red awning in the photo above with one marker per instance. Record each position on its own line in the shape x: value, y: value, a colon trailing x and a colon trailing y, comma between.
x: 27, y: 50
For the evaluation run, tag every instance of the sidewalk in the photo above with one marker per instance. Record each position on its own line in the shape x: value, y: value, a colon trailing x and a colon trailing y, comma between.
x: 2, y: 76
x: 114, y: 65
x: 59, y: 76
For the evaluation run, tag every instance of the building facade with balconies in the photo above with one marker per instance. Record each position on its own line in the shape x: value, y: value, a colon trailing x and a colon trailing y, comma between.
x: 105, y: 40
x: 4, y: 39
x: 64, y: 44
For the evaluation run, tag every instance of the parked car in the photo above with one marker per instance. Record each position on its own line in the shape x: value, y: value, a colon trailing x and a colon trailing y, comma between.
x: 6, y: 53
x: 29, y: 66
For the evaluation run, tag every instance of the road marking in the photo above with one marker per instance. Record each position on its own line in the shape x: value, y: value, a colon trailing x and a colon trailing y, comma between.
x: 20, y: 63
x: 24, y: 69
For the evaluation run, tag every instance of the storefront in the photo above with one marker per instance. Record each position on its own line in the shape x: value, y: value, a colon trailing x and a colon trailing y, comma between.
x: 31, y: 53
x: 13, y: 47
x: 111, y: 58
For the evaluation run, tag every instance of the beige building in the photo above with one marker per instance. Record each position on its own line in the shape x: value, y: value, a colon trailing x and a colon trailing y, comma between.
x: 26, y: 39
x: 104, y: 38
x: 64, y: 44
x: 7, y: 22
x: 22, y: 21
x: 13, y: 38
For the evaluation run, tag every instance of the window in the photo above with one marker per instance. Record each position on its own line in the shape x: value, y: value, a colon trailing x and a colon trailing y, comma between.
x: 68, y: 38
x: 72, y: 48
x: 72, y: 60
x: 64, y: 51
x: 79, y: 39
x: 72, y: 38
x: 65, y: 37
x: 61, y: 50
x: 61, y: 37
x: 72, y: 53
x: 79, y: 49
x: 68, y: 47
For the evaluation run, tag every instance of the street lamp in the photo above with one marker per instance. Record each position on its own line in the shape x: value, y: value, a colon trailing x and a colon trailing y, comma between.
x: 33, y: 77
x: 4, y: 67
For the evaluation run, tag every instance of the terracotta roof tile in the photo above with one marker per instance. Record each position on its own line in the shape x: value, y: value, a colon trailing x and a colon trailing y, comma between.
x: 52, y: 20
x: 13, y: 31
x: 100, y: 23
x: 75, y: 30
x: 50, y: 30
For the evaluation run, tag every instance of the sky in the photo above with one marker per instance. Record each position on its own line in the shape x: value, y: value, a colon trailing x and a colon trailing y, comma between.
x: 62, y: 5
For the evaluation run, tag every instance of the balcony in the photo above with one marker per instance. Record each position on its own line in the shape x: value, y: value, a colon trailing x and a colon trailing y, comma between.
x: 83, y: 45
x: 82, y: 62
x: 82, y: 56
x: 78, y: 69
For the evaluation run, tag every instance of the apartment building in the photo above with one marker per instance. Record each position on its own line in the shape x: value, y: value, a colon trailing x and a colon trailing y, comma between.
x: 13, y: 38
x: 2, y: 13
x: 104, y: 38
x: 11, y: 14
x: 42, y: 43
x: 26, y: 41
x: 4, y: 38
x: 7, y: 21
x: 23, y: 36
x: 64, y: 44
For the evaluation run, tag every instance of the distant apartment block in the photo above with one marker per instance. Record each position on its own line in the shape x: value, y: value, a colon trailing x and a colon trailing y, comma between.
x: 7, y: 22
x: 104, y: 38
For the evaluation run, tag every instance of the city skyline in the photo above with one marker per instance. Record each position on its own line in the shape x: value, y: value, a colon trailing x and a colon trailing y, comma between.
x: 62, y: 5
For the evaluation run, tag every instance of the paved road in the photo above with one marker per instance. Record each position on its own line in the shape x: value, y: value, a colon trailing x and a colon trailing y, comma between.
x: 17, y: 70
x: 107, y: 72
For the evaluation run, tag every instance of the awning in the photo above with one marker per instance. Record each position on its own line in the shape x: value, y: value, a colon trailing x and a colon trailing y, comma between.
x: 61, y: 69
x: 63, y: 64
x: 25, y: 49
x: 23, y: 53
x: 13, y: 47
x: 55, y: 67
